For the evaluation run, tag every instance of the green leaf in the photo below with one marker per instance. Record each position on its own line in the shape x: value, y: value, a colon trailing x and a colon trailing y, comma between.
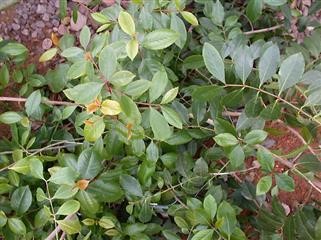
x: 255, y: 137
x: 77, y: 70
x: 21, y: 166
x: 84, y: 36
x: 84, y: 93
x: 226, y: 214
x: 264, y: 185
x: 132, y: 48
x: 33, y: 103
x: 4, y: 75
x: 291, y: 71
x: 122, y: 78
x: 254, y: 9
x: 137, y: 88
x: 310, y: 162
x: 275, y: 3
x: 218, y: 13
x: 210, y: 206
x: 226, y: 140
x: 266, y: 160
x: 160, y: 39
x: 63, y: 175
x: 69, y: 207
x: 57, y: 78
x: 159, y: 125
x: 145, y: 214
x: 13, y: 49
x: 214, y: 62
x: 317, y: 228
x: 126, y: 23
x: 130, y: 110
x: 269, y: 63
x: 172, y: 117
x: 88, y: 203
x: 21, y: 199
x: 243, y: 63
x: 17, y: 226
x: 99, y: 17
x: 72, y: 52
x: 70, y: 226
x: 65, y: 192
x: 190, y: 17
x: 10, y: 117
x: 236, y: 156
x: 178, y: 26
x: 170, y: 95
x: 107, y: 62
x: 37, y: 168
x: 94, y: 129
x: 3, y: 219
x: 180, y: 222
x: 89, y: 164
x: 158, y: 85
x: 285, y: 182
x: 106, y: 222
x: 131, y: 186
x: 48, y: 55
x: 42, y: 217
x: 205, y: 234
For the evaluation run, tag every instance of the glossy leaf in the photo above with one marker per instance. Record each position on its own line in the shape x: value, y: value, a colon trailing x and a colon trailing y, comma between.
x: 268, y: 63
x: 264, y: 185
x: 214, y: 62
x: 159, y: 125
x: 160, y: 39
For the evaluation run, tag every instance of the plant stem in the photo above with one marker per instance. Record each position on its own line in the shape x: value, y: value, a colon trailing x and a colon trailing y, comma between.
x: 269, y: 29
x: 51, y: 102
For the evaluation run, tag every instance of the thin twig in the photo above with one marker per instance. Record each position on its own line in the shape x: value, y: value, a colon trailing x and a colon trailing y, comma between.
x: 51, y: 102
x: 269, y: 29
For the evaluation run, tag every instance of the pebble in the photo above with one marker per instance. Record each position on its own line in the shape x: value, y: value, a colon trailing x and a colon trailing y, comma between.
x: 34, y: 34
x: 41, y: 9
x: 46, y: 17
x: 62, y: 29
x: 47, y: 43
x: 25, y: 32
x: 15, y: 26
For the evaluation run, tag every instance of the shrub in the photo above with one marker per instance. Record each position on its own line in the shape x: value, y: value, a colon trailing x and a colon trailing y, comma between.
x: 147, y: 129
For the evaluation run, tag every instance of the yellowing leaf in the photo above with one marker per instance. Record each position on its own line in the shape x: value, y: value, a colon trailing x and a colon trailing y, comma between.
x: 93, y: 107
x: 189, y: 17
x: 55, y: 39
x: 126, y: 23
x: 48, y: 55
x: 110, y: 107
x: 132, y: 49
x: 82, y: 184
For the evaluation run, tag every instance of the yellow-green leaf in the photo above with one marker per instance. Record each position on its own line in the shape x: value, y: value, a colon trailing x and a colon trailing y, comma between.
x: 110, y: 107
x: 126, y: 23
x: 132, y: 49
x: 48, y: 55
x: 190, y: 17
x: 70, y: 226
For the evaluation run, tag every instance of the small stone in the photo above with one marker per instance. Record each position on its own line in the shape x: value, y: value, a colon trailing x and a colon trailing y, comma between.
x: 15, y: 26
x: 40, y: 24
x: 269, y: 143
x: 46, y: 44
x: 25, y: 32
x: 62, y: 29
x: 25, y: 16
x: 34, y: 34
x: 41, y: 9
x: 46, y: 17
x: 55, y: 22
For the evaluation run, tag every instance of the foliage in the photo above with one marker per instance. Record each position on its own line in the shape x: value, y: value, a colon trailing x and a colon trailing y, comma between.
x: 154, y: 117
